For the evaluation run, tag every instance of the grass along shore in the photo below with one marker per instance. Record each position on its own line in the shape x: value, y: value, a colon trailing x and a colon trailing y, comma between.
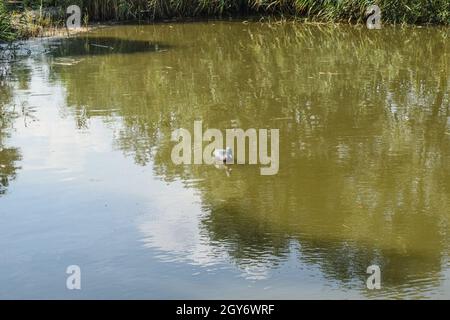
x: 21, y: 19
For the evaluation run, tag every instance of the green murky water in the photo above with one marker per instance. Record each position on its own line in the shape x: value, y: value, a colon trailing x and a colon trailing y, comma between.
x: 364, y: 174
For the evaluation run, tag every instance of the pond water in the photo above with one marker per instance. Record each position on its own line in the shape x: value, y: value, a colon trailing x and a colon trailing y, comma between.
x: 86, y: 176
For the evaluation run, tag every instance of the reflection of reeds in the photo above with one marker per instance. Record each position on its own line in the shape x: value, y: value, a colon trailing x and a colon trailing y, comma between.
x: 309, y: 73
x: 362, y: 118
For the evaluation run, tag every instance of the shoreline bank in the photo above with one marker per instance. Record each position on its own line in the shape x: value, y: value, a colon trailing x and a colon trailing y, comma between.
x: 30, y: 18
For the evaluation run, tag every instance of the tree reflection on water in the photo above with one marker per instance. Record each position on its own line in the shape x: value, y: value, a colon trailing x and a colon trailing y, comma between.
x: 364, y: 138
x: 8, y: 155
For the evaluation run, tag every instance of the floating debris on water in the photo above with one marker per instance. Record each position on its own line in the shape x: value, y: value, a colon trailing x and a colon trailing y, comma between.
x: 101, y: 46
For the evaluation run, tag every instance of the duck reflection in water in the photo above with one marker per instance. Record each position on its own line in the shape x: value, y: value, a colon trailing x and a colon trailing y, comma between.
x: 223, y: 157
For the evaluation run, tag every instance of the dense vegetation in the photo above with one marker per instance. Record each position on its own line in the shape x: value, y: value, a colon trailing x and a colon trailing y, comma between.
x: 6, y: 30
x: 410, y: 11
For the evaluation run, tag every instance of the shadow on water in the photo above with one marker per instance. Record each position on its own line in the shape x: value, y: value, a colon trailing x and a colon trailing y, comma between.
x: 93, y: 46
x: 251, y: 238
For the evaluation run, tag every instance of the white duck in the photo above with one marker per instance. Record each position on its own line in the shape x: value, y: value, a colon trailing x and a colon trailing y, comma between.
x: 224, y: 155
